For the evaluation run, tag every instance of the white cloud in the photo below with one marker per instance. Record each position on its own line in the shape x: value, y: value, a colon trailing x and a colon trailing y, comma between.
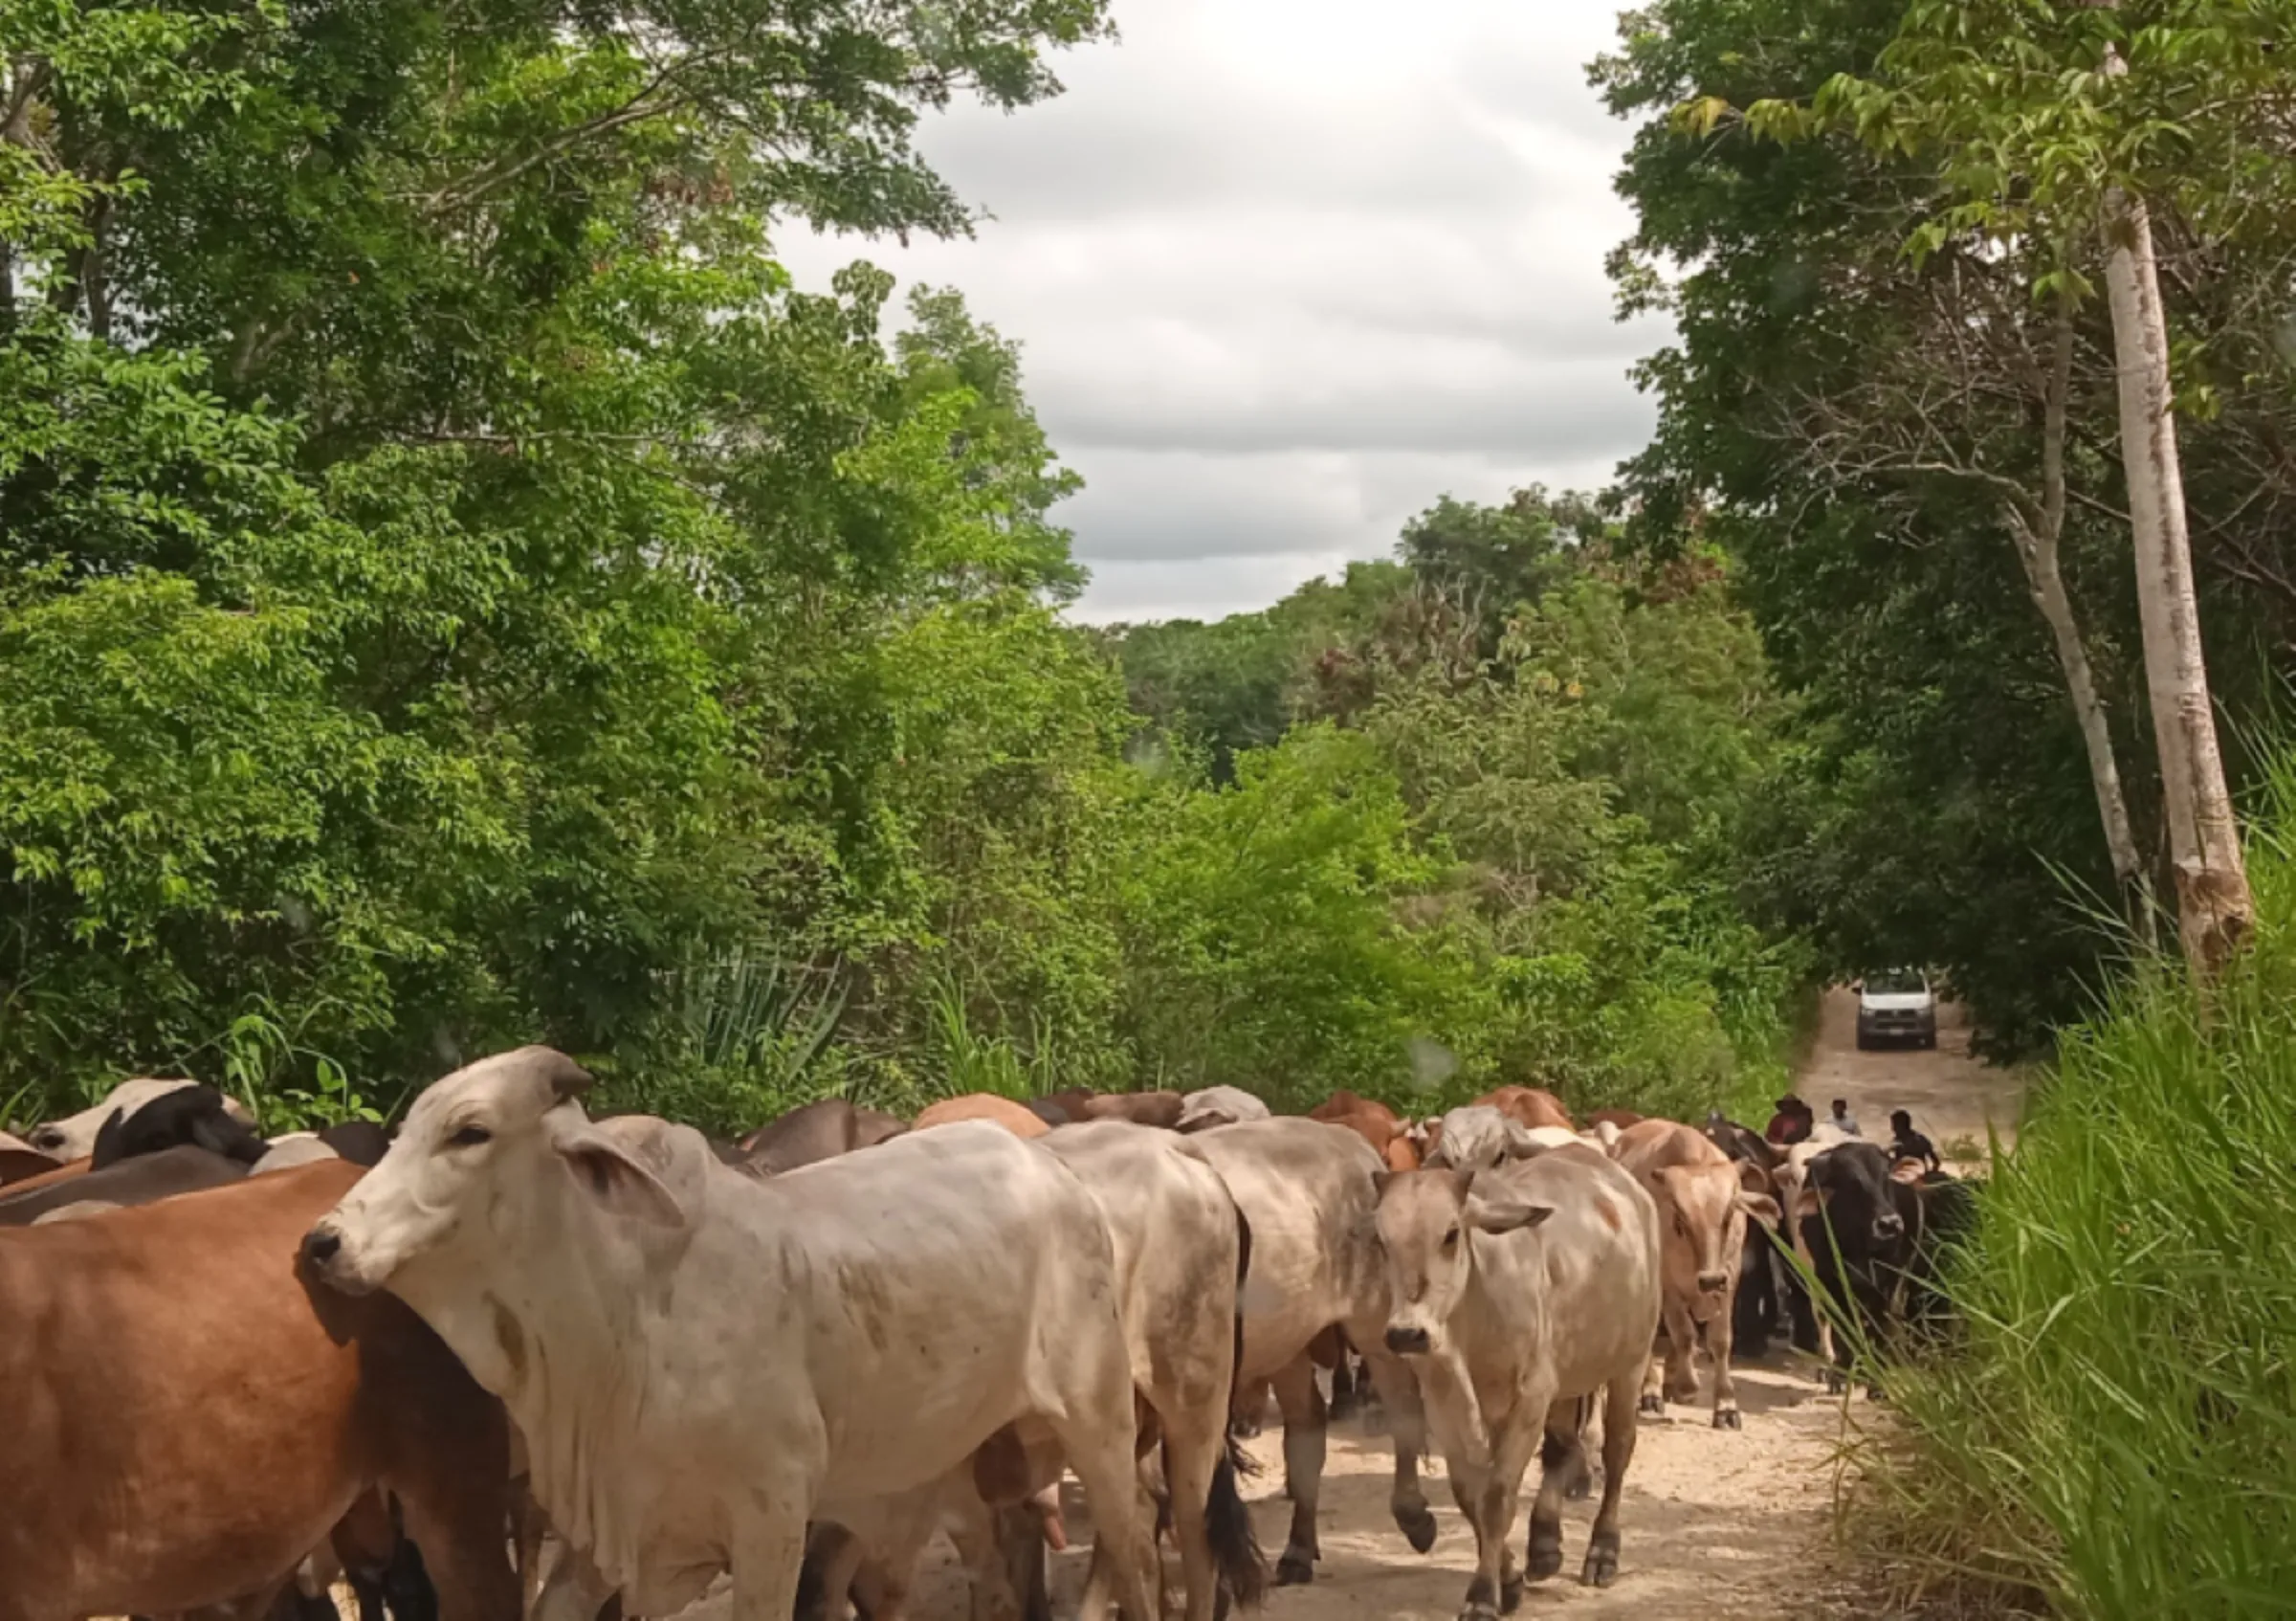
x: 1284, y: 270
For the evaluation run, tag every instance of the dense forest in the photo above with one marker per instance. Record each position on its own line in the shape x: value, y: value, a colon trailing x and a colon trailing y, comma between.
x: 457, y: 591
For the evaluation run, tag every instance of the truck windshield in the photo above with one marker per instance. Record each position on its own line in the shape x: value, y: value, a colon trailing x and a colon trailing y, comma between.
x: 1895, y: 981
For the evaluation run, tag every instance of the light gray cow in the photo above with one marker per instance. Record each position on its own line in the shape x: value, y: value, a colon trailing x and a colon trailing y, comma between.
x: 1518, y: 1293
x: 1306, y: 1189
x: 701, y: 1362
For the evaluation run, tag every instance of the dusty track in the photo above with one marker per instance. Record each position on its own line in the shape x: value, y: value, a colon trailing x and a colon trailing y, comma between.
x: 1718, y: 1526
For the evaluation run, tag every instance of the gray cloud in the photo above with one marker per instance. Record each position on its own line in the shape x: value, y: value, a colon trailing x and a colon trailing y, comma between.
x: 1284, y: 270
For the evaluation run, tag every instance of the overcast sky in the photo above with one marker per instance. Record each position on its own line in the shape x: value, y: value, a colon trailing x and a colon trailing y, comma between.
x: 1284, y: 270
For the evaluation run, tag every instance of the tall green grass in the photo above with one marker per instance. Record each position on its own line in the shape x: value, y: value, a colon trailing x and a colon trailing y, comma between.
x: 2117, y: 1436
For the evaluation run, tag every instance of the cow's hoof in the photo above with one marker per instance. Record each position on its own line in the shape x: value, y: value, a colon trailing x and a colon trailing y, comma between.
x: 1476, y: 1612
x: 1683, y: 1394
x: 1344, y: 1407
x: 1873, y: 1393
x: 1511, y: 1593
x: 1581, y: 1486
x: 1245, y: 1428
x: 1651, y: 1407
x: 1544, y: 1556
x: 1417, y: 1523
x: 1727, y: 1418
x: 1296, y: 1570
x: 1835, y: 1384
x: 1601, y: 1568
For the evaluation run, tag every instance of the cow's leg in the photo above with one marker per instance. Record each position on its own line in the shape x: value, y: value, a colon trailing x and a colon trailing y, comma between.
x: 977, y: 1531
x: 768, y: 1551
x: 458, y: 1521
x: 1101, y: 1456
x: 574, y: 1591
x: 1654, y: 1389
x: 1398, y: 1389
x: 1021, y: 1544
x: 1346, y: 1398
x: 1494, y: 1589
x: 1562, y: 1460
x: 1718, y: 1340
x: 1302, y: 1404
x: 1681, y: 1343
x: 1602, y: 1567
x: 1192, y: 1450
x: 528, y: 1525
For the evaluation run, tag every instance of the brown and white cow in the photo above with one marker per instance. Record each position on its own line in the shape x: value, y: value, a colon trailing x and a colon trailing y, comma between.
x: 1306, y: 1190
x: 74, y: 1136
x: 217, y: 1417
x: 1519, y: 1294
x: 1390, y: 1135
x: 1703, y: 1205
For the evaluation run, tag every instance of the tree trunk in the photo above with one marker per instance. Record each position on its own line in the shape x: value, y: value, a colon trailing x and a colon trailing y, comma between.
x: 2214, y: 908
x: 2039, y: 536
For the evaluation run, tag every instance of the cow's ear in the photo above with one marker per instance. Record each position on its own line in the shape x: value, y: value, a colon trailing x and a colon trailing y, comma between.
x: 1762, y: 1208
x: 1752, y: 1178
x: 604, y: 1170
x: 1380, y: 1179
x: 1492, y: 1216
x: 1809, y: 1201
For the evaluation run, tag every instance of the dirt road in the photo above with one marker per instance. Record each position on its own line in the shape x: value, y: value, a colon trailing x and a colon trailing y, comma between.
x: 1718, y: 1526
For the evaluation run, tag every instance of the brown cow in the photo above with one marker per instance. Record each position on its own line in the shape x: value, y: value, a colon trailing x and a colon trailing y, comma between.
x: 1620, y: 1117
x: 1015, y: 1118
x: 219, y: 1417
x: 1392, y: 1137
x: 1159, y: 1109
x: 1701, y: 1208
x: 1529, y: 1107
x: 18, y: 1163
x: 815, y: 1131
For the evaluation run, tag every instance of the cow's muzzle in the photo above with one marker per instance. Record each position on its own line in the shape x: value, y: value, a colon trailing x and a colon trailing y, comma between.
x: 1712, y: 1283
x: 1888, y: 1229
x: 1408, y: 1341
x: 323, y: 1254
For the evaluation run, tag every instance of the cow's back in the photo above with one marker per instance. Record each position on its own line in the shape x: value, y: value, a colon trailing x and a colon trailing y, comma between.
x: 1306, y: 1189
x: 925, y: 1284
x: 1584, y: 1284
x: 172, y: 1385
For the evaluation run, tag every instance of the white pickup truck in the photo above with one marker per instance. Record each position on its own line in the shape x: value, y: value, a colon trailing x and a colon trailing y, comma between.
x: 1896, y: 1005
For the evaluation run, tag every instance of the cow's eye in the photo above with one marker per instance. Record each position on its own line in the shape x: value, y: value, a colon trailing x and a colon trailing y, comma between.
x: 470, y: 1137
x: 1450, y: 1239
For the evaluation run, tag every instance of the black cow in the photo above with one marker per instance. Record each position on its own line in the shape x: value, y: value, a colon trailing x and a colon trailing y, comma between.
x: 1864, y: 1231
x: 1766, y: 1280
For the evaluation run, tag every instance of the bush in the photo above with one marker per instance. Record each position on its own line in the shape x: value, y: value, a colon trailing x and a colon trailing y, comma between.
x: 2119, y: 1437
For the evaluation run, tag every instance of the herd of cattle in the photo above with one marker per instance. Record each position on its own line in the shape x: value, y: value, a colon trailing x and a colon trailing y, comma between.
x: 511, y: 1361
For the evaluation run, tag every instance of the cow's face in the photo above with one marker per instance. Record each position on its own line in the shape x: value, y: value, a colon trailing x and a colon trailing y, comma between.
x: 1426, y: 1219
x: 1702, y: 1213
x: 1852, y: 1186
x: 487, y: 1155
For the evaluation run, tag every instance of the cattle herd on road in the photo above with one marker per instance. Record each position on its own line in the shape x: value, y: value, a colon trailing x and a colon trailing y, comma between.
x: 511, y: 1361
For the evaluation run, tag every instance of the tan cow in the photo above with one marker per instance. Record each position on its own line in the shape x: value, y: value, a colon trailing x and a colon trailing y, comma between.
x: 1703, y: 1202
x: 1015, y: 1118
x: 215, y: 1419
x: 1518, y: 1293
x: 1306, y: 1190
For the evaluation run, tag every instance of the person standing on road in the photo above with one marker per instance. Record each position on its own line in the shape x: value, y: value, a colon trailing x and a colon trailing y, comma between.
x: 1906, y: 1143
x: 1843, y: 1121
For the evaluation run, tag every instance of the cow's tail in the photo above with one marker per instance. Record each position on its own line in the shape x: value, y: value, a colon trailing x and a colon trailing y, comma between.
x: 1236, y: 1553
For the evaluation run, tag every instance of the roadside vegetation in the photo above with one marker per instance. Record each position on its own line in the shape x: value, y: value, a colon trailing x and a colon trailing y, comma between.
x: 2117, y: 1436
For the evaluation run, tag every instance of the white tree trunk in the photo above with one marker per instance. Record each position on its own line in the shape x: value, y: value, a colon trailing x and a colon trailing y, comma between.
x: 2215, y: 911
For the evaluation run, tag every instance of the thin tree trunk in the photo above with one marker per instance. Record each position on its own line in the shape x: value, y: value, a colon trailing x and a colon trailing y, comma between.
x: 2214, y: 907
x: 2038, y: 537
